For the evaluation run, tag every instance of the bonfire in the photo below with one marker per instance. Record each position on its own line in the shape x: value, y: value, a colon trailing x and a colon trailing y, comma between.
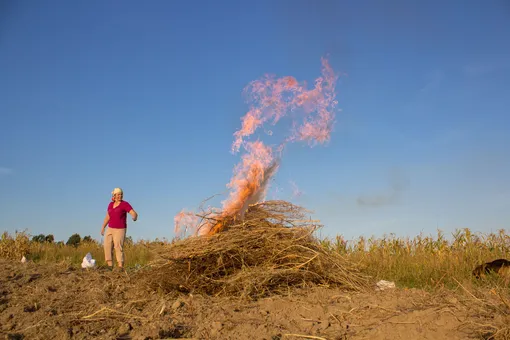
x: 253, y: 247
x: 270, y: 250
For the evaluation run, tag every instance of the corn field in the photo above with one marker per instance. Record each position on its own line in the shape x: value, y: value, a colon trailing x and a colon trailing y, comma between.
x: 419, y: 262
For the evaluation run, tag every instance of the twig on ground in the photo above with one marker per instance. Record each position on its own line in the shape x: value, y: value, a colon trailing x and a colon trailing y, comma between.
x: 305, y: 336
x: 114, y: 313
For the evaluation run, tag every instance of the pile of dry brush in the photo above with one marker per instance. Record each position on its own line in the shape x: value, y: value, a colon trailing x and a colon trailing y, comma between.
x: 272, y: 249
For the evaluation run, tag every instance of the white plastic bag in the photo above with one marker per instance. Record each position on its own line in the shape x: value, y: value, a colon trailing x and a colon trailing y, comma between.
x: 88, y: 261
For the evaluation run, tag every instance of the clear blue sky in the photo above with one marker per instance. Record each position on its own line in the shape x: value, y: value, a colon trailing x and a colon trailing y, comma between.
x: 147, y: 96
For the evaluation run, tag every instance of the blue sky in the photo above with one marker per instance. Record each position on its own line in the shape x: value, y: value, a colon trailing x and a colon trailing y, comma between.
x: 100, y: 94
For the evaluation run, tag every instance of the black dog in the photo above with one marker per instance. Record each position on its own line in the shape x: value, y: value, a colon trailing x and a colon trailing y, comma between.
x: 499, y: 266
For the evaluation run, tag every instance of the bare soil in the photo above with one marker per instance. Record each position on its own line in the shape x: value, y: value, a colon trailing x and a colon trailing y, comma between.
x: 50, y: 301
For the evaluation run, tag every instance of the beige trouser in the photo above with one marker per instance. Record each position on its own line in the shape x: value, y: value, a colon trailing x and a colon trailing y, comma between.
x: 114, y: 238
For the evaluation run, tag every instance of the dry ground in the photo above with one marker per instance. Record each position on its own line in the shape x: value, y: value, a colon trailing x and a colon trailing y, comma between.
x: 44, y: 301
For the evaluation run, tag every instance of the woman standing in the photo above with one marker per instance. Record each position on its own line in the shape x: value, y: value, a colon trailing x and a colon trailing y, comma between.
x: 116, y: 220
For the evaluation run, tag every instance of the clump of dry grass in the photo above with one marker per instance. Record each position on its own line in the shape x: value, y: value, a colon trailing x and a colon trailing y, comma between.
x: 272, y: 249
x: 14, y: 248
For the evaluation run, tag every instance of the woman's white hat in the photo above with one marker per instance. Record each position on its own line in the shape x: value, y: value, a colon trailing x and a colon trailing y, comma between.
x: 117, y: 191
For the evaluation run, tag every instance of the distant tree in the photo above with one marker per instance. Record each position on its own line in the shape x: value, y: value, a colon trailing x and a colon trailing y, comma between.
x: 87, y: 239
x: 39, y: 238
x: 60, y: 243
x: 49, y: 238
x: 74, y: 240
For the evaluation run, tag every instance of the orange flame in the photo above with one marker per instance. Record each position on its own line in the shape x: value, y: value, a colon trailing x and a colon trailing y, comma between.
x: 248, y: 177
x: 271, y: 99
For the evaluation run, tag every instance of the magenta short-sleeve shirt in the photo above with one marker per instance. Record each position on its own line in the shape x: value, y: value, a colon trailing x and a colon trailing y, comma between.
x: 118, y: 215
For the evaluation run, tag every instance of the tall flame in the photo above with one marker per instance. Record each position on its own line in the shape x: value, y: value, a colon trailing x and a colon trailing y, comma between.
x: 270, y: 100
x: 250, y: 178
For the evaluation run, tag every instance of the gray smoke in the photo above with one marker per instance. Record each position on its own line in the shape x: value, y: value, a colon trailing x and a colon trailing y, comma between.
x: 398, y: 183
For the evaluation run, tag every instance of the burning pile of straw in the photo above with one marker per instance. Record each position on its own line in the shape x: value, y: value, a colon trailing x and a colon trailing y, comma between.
x: 271, y: 249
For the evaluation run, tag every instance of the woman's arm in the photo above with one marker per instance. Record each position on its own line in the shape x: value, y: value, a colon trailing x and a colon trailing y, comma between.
x: 133, y: 214
x: 105, y: 223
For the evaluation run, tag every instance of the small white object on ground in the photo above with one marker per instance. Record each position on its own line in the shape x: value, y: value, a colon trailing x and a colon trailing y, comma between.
x: 383, y: 285
x: 23, y: 259
x: 88, y: 261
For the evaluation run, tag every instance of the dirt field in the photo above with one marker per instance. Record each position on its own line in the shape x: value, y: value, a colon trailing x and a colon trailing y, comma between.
x: 59, y: 302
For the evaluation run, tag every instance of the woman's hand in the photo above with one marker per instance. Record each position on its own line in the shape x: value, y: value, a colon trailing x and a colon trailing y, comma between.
x: 133, y: 214
x: 105, y: 223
